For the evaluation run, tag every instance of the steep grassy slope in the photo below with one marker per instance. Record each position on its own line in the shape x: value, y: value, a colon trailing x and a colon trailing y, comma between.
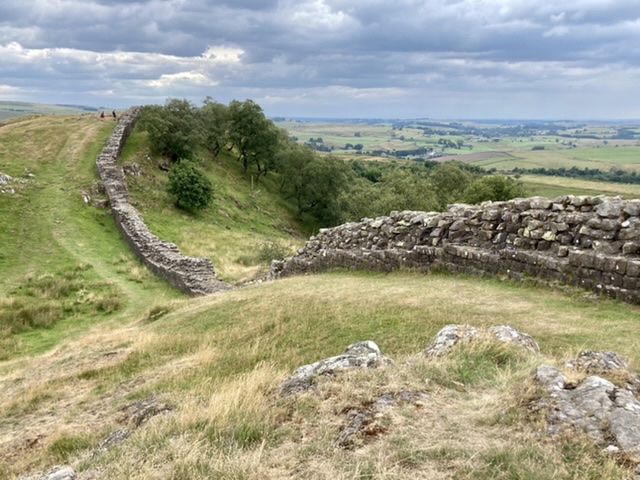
x: 47, y: 231
x: 247, y: 225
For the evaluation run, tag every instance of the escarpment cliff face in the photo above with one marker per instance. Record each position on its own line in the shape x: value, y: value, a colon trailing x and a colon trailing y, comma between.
x: 195, y: 276
x: 591, y: 242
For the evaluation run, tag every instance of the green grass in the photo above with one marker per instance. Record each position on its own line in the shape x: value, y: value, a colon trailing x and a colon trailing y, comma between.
x: 47, y: 231
x: 552, y: 187
x: 246, y: 221
x: 217, y: 360
x: 603, y: 158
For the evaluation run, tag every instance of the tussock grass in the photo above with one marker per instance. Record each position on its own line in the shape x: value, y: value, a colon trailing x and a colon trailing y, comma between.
x: 217, y: 361
x: 42, y: 299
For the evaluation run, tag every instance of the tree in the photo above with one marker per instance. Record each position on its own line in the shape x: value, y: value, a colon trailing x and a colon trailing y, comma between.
x: 314, y: 182
x: 174, y: 130
x: 254, y: 136
x: 449, y: 181
x: 190, y: 186
x: 396, y: 191
x: 214, y: 118
x: 494, y: 188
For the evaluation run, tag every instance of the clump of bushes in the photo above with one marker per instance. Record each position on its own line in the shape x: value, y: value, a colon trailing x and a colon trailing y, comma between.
x: 190, y: 186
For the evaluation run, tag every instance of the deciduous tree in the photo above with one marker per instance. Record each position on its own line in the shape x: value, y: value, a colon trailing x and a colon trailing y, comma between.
x: 173, y: 129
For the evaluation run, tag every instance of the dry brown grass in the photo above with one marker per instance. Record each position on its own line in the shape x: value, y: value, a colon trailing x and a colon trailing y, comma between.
x: 216, y: 361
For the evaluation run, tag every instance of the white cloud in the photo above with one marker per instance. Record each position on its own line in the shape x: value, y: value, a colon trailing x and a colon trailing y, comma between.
x: 181, y: 78
x: 223, y: 54
x: 8, y: 89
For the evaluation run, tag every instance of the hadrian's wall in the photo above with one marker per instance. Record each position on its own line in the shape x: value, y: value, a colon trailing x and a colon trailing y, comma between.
x: 195, y: 276
x: 592, y: 242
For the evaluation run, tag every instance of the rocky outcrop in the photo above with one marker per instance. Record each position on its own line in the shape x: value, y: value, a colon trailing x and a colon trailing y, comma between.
x: 603, y: 404
x: 606, y: 411
x: 451, y: 335
x: 195, y: 276
x: 359, y: 355
x: 591, y: 242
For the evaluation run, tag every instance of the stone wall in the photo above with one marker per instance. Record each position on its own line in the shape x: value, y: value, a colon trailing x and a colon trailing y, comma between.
x: 195, y: 276
x: 591, y: 242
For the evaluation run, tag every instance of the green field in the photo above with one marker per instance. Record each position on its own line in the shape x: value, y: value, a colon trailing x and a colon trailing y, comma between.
x: 552, y: 187
x: 509, y: 151
x: 9, y: 110
x: 503, y: 153
x: 602, y: 158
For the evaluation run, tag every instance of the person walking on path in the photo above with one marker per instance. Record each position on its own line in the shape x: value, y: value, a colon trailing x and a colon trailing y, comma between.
x: 114, y: 114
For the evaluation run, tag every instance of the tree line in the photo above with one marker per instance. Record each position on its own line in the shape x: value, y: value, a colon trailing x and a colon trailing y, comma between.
x: 325, y: 190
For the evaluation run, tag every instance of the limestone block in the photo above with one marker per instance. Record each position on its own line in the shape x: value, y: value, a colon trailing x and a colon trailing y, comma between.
x: 358, y: 355
x: 610, y: 209
x: 539, y: 203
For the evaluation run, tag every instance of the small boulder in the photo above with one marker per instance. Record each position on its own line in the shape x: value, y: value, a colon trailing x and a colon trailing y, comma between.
x: 4, y: 178
x: 359, y: 355
x: 451, y: 335
x: 56, y: 473
x: 60, y: 473
x: 598, y: 362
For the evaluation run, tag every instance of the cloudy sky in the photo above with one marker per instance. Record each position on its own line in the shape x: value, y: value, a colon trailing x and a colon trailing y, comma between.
x: 560, y: 59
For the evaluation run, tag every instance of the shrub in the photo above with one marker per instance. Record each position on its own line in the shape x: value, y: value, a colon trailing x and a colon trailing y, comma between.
x: 190, y: 186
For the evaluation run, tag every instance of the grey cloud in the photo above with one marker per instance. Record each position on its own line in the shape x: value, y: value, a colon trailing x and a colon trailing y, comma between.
x: 298, y: 49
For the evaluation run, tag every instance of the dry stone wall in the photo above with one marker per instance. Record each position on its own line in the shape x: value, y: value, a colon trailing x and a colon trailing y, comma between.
x: 591, y: 242
x: 195, y: 276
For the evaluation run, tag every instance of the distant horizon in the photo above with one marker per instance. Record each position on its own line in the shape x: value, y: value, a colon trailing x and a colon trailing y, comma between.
x: 333, y: 119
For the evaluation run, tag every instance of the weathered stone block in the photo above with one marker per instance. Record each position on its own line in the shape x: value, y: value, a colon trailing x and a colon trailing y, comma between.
x: 539, y: 203
x: 630, y: 248
x: 633, y: 268
x: 610, y: 209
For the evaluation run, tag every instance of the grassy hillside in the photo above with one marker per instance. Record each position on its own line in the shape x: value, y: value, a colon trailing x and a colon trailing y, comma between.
x: 61, y: 260
x: 211, y: 365
x: 91, y: 343
x: 247, y: 225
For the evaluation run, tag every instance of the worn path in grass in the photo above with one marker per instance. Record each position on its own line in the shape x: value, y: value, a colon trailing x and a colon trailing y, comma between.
x: 47, y: 227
